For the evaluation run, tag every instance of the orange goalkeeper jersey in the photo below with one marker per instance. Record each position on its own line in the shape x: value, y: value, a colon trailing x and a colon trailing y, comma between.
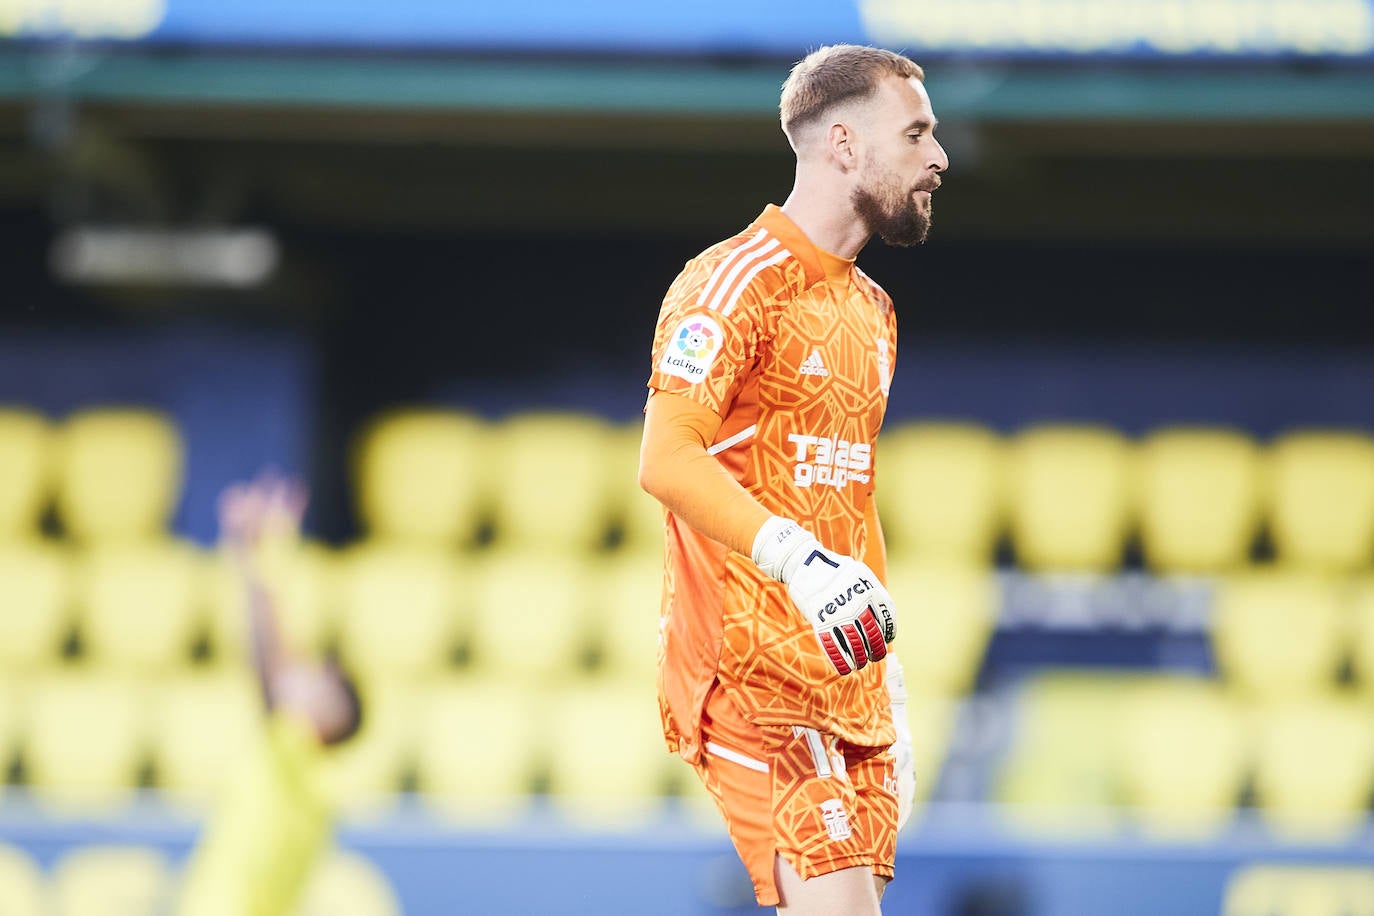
x: 793, y: 347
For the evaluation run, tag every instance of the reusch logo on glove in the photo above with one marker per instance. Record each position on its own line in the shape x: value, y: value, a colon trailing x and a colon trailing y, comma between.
x: 858, y: 588
x: 889, y: 626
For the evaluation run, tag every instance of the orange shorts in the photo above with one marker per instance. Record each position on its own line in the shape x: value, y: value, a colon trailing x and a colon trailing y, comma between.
x: 819, y: 802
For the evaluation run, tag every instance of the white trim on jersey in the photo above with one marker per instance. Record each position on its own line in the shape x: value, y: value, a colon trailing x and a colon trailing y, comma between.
x: 744, y: 284
x: 729, y: 287
x: 734, y: 440
x: 736, y: 757
x: 727, y: 263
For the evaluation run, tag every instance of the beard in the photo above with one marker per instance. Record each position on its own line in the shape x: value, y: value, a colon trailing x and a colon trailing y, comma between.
x: 891, y: 211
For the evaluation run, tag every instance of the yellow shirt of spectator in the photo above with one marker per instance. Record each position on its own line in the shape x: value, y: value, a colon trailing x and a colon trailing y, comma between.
x: 256, y: 851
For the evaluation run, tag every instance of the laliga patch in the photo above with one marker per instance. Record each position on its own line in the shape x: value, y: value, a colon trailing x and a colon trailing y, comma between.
x: 692, y: 347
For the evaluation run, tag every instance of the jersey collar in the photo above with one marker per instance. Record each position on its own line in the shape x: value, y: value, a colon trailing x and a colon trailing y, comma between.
x: 818, y: 263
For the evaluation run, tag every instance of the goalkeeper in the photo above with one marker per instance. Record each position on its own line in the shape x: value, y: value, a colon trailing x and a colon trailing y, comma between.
x: 263, y: 839
x: 771, y: 366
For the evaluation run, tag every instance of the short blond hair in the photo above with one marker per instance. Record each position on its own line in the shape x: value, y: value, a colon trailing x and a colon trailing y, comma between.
x: 833, y: 74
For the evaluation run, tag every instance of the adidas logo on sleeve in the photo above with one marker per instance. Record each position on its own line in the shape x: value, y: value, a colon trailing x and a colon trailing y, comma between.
x: 812, y: 365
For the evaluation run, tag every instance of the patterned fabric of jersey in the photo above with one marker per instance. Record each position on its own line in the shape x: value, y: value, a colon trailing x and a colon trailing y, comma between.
x: 793, y: 347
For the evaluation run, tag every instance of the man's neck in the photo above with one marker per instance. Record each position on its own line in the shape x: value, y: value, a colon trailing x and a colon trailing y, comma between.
x: 830, y: 224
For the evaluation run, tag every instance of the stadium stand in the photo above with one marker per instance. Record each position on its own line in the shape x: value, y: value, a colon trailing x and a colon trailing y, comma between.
x: 1051, y: 778
x: 607, y: 764
x: 1070, y: 497
x: 140, y: 604
x: 365, y: 776
x: 11, y: 696
x: 553, y: 492
x: 119, y: 473
x: 200, y: 722
x: 1361, y: 635
x: 347, y: 883
x: 1278, y: 635
x: 1198, y: 498
x: 85, y: 739
x: 1319, y: 495
x: 623, y: 627
x: 153, y: 693
x: 1298, y: 890
x: 477, y: 756
x: 943, y: 492
x: 1182, y: 761
x: 36, y: 591
x: 26, y: 443
x: 111, y: 880
x: 638, y: 516
x: 398, y: 609
x: 421, y: 475
x: 553, y: 604
x: 23, y: 886
x: 951, y: 607
x: 1314, y: 766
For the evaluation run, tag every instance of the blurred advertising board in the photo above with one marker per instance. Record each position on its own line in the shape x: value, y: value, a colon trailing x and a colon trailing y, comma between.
x: 1338, y: 29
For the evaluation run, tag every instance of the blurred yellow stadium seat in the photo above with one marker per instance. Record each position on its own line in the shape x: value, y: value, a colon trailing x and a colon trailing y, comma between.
x: 111, y: 880
x: 35, y: 595
x: 478, y: 749
x: 1287, y: 889
x: 1319, y: 498
x: 119, y: 473
x: 348, y: 883
x: 931, y: 718
x: 945, y: 617
x: 304, y: 583
x: 26, y: 468
x: 85, y: 740
x: 1278, y: 635
x: 1182, y: 755
x: 1059, y: 775
x: 1069, y: 493
x: 12, y: 699
x: 23, y: 886
x: 422, y: 474
x: 200, y: 723
x: 554, y: 487
x: 1199, y: 499
x: 364, y: 776
x: 640, y: 515
x: 943, y: 490
x: 608, y: 766
x: 140, y: 606
x: 1314, y: 767
x: 1360, y: 636
x: 398, y: 608
x: 624, y: 620
x: 530, y: 620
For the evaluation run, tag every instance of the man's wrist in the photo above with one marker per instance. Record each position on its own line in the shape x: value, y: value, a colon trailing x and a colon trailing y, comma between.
x: 777, y: 540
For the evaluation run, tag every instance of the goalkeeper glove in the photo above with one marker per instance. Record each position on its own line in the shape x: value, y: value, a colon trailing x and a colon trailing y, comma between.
x: 847, y: 607
x: 905, y: 763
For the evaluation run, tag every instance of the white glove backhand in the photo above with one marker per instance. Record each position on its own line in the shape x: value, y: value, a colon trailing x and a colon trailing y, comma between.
x: 847, y: 607
x: 901, y: 748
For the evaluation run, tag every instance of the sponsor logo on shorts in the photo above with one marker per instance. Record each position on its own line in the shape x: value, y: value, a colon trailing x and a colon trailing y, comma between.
x: 692, y: 347
x: 836, y: 821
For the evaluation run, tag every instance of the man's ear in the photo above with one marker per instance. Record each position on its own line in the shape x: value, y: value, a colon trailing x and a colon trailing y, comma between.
x: 840, y: 145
